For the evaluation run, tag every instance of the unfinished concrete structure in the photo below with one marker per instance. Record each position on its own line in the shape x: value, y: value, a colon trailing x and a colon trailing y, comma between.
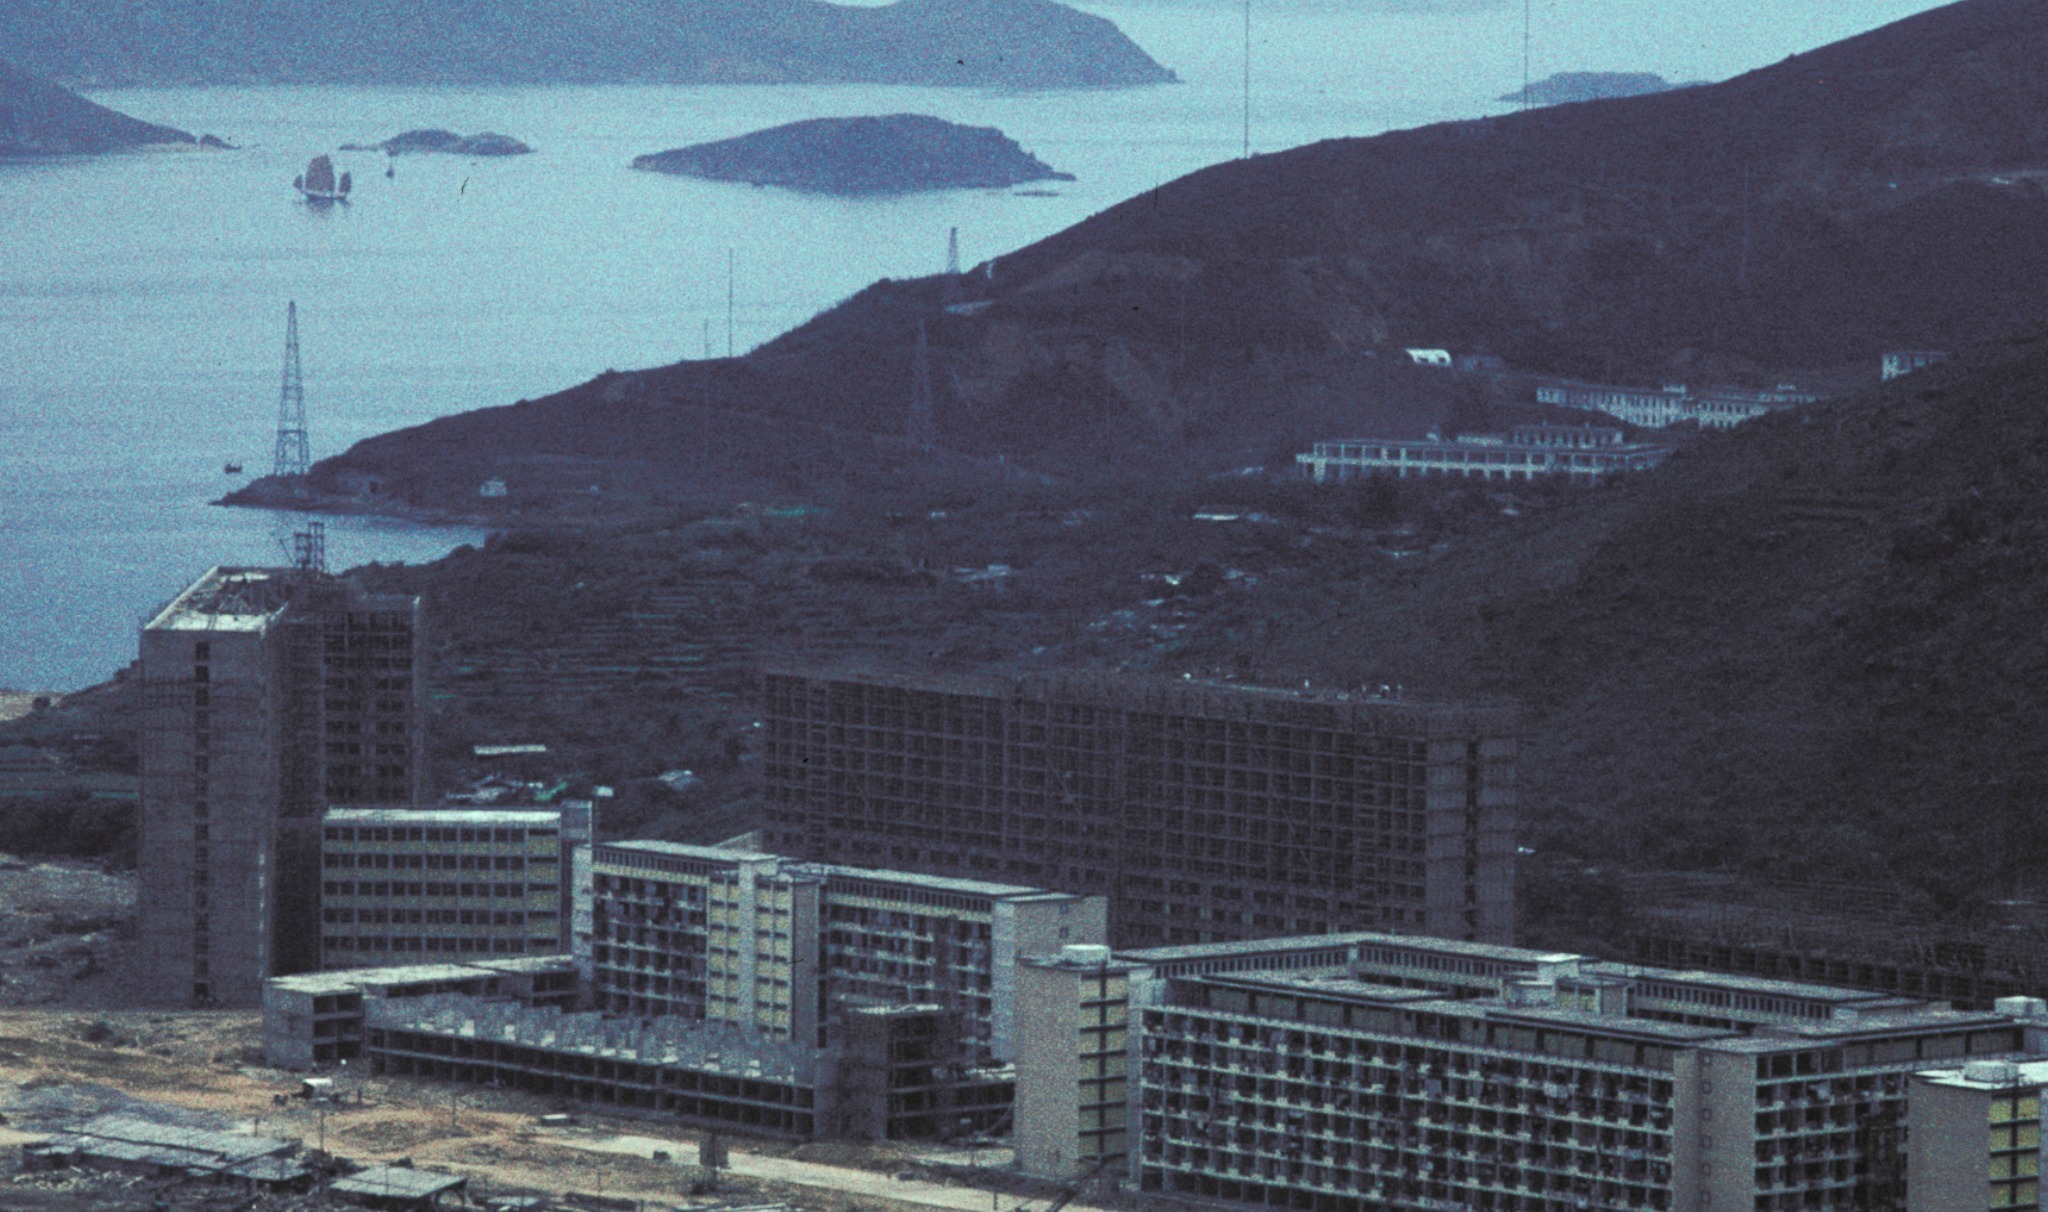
x: 400, y: 886
x: 315, y: 1019
x: 267, y: 695
x: 785, y: 949
x: 1202, y: 810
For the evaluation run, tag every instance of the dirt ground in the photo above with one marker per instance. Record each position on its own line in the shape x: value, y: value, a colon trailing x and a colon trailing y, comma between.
x: 59, y: 1066
x: 60, y: 925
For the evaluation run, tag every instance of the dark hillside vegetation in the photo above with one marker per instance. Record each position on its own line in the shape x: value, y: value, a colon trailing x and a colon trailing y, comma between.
x: 37, y: 118
x: 1886, y: 191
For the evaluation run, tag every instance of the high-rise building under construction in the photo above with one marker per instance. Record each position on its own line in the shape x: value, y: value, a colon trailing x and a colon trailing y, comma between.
x: 268, y: 695
x: 1204, y: 811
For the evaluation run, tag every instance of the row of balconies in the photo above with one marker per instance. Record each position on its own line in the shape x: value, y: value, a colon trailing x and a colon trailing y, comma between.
x: 1455, y: 1192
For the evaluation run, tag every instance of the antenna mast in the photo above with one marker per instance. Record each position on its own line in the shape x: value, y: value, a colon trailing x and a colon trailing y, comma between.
x: 953, y: 252
x: 921, y: 428
x: 731, y: 274
x: 293, y: 452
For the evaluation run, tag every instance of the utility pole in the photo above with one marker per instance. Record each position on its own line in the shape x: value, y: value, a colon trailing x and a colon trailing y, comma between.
x: 294, y: 455
x: 1528, y: 21
x: 731, y: 274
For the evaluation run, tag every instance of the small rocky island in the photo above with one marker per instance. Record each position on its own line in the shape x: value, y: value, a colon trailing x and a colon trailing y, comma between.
x: 1567, y: 87
x: 38, y: 118
x: 897, y: 154
x: 445, y: 142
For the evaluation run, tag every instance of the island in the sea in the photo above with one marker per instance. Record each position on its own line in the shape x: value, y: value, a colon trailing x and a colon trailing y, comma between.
x: 1567, y: 87
x: 446, y: 142
x: 37, y: 118
x: 958, y: 43
x: 897, y: 154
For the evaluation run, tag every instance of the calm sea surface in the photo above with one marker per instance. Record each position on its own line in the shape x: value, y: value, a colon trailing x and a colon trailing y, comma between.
x: 142, y: 296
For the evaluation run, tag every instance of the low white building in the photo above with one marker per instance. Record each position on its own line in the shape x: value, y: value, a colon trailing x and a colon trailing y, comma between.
x: 1530, y: 452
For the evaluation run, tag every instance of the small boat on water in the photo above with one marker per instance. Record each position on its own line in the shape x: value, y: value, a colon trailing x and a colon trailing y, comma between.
x: 232, y: 469
x: 318, y: 182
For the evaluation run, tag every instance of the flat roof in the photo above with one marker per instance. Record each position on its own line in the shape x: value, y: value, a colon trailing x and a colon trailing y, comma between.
x: 1783, y: 1037
x: 940, y: 883
x: 683, y: 850
x: 225, y: 599
x: 1225, y: 950
x: 1331, y: 983
x: 142, y: 1139
x: 439, y: 816
x: 398, y: 1182
x: 1740, y: 984
x: 345, y: 980
x: 2022, y: 1073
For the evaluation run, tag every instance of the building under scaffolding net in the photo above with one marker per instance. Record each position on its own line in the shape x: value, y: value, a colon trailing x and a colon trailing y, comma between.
x: 1204, y: 811
x: 267, y: 695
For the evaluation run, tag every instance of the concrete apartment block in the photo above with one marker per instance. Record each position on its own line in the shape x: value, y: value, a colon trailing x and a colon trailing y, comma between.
x: 442, y: 885
x: 1073, y: 1057
x: 1203, y: 811
x: 780, y: 947
x: 267, y: 694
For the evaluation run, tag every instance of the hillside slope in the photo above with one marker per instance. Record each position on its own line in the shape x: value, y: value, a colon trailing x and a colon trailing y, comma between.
x: 1810, y: 649
x: 974, y: 43
x: 37, y: 118
x: 1884, y: 191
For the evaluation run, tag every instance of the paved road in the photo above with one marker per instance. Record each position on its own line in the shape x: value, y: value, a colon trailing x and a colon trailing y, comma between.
x: 812, y: 1174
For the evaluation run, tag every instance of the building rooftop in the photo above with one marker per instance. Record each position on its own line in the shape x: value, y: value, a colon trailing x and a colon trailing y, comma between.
x: 1331, y: 982
x: 1247, y: 947
x: 345, y: 980
x: 132, y: 1138
x: 713, y: 854
x: 1990, y: 1075
x: 227, y: 599
x: 1787, y: 1037
x: 440, y: 816
x: 936, y: 883
x: 398, y: 1182
x: 1745, y: 984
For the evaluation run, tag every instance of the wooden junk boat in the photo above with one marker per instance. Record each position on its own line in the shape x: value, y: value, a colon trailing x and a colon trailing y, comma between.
x: 318, y: 182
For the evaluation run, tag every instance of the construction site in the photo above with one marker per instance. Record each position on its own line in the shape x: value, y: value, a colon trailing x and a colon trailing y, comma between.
x: 189, y: 1089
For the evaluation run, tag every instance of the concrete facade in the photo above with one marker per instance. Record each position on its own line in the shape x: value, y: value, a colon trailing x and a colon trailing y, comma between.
x: 1073, y: 1025
x: 1579, y: 455
x: 1202, y: 811
x: 783, y: 948
x: 315, y: 1020
x: 444, y: 885
x: 1573, y: 1084
x: 266, y: 695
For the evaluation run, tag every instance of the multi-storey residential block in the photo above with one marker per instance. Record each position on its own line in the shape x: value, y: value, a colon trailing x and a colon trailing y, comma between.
x: 1573, y: 1084
x: 1203, y: 811
x: 267, y: 694
x: 779, y: 947
x: 1573, y: 453
x: 449, y: 885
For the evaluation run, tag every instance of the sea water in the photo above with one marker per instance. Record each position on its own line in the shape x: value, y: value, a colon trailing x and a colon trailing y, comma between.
x: 142, y: 296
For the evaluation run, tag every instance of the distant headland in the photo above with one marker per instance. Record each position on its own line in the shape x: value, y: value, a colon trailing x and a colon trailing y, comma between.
x: 1567, y: 87
x: 37, y: 118
x: 446, y: 142
x: 900, y: 153
x: 969, y: 43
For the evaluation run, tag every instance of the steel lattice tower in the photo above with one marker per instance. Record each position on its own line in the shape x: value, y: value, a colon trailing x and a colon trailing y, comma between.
x: 920, y: 427
x: 294, y: 454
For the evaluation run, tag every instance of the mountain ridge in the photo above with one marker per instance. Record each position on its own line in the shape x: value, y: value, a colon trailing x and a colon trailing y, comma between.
x: 38, y: 118
x: 968, y: 43
x: 1883, y: 191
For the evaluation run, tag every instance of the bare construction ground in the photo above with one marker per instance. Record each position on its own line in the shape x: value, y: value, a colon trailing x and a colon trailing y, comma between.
x: 57, y: 1067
